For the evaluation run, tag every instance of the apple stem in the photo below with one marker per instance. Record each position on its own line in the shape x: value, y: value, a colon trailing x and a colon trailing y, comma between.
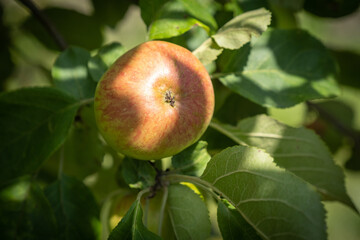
x: 159, y: 183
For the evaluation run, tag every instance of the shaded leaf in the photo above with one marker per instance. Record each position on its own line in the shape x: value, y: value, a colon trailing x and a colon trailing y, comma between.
x: 70, y: 73
x: 83, y: 151
x: 75, y: 209
x: 25, y: 213
x: 239, y: 30
x: 274, y: 202
x: 235, y: 108
x: 105, y: 57
x: 34, y: 122
x: 150, y: 10
x: 131, y: 226
x: 298, y: 150
x: 284, y: 67
x: 188, y: 213
x: 138, y: 173
x: 110, y: 12
x: 232, y: 225
x: 76, y: 28
x: 192, y: 160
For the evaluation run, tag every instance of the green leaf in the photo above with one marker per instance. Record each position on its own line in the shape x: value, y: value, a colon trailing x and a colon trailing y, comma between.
x: 239, y: 30
x: 105, y: 57
x: 188, y: 213
x: 173, y: 21
x: 34, y: 122
x: 25, y: 213
x: 75, y: 209
x: 131, y: 226
x: 70, y: 73
x: 235, y: 108
x: 76, y: 28
x: 232, y: 225
x: 150, y: 10
x: 208, y: 51
x: 83, y: 150
x: 234, y: 34
x: 298, y: 150
x: 199, y: 11
x: 138, y: 173
x: 283, y: 68
x: 192, y: 160
x: 273, y: 201
x: 110, y: 12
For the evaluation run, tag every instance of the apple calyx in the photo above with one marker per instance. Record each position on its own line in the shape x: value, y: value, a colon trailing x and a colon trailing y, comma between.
x: 170, y: 98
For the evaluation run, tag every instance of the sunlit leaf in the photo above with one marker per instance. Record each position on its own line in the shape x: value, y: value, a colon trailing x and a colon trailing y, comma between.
x: 70, y: 73
x: 234, y: 34
x: 208, y: 51
x: 239, y: 30
x: 172, y: 21
x: 280, y: 69
x: 298, y: 150
x: 273, y: 201
x: 105, y: 57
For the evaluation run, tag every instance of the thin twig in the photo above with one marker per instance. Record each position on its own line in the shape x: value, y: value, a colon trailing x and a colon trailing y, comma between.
x: 334, y: 121
x: 41, y: 17
x: 61, y: 162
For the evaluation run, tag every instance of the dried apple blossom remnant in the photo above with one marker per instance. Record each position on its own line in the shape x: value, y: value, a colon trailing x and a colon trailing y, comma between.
x: 170, y: 98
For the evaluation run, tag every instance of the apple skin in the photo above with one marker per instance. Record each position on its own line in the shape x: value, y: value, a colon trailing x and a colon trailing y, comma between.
x: 154, y: 101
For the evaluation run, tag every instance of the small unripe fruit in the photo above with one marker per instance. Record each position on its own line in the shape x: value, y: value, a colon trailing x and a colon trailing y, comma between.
x: 154, y: 101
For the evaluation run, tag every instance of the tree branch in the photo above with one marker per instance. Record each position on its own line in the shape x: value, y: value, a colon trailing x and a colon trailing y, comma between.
x: 337, y: 124
x: 50, y: 28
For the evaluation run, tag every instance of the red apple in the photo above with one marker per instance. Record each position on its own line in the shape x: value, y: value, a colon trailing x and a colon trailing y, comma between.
x: 154, y: 101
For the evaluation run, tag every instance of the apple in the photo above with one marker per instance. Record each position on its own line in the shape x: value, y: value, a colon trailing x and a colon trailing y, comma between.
x: 154, y: 101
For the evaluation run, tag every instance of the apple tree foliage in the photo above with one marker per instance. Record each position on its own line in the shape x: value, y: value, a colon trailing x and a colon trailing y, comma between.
x: 249, y: 177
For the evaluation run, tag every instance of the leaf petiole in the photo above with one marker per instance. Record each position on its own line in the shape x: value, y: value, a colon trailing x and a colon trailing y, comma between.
x: 162, y: 209
x: 194, y: 180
